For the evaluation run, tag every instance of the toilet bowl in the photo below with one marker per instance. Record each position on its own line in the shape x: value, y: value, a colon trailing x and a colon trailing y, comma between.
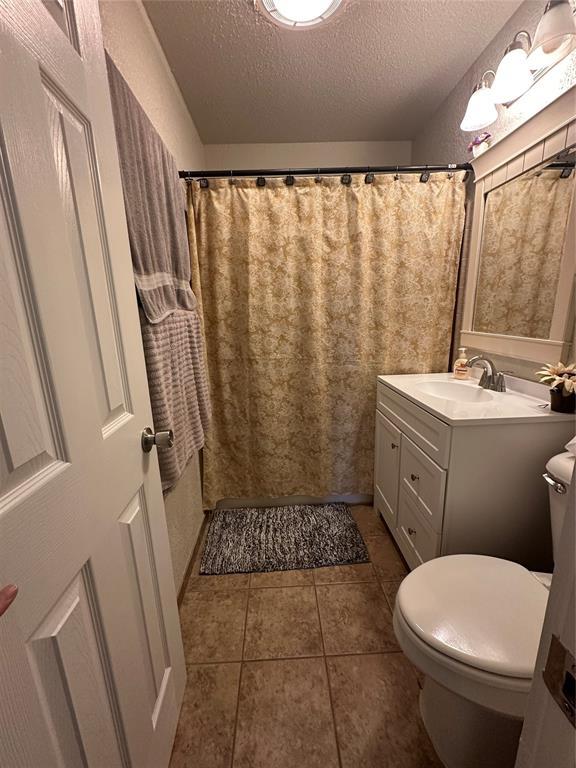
x: 472, y: 625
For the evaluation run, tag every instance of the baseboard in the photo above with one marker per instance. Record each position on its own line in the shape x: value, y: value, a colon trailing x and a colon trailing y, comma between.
x: 193, y: 556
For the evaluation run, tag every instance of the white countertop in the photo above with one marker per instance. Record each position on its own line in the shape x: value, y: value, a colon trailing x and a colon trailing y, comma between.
x: 522, y: 402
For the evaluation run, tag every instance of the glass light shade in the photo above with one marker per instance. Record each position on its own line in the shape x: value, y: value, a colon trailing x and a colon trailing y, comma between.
x: 555, y: 35
x: 480, y: 112
x: 513, y: 77
x: 300, y: 13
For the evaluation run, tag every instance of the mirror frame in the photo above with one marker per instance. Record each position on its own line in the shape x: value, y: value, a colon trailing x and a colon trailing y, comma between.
x: 533, y: 144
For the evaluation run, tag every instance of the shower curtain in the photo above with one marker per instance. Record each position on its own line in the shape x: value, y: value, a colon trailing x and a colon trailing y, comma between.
x: 308, y: 292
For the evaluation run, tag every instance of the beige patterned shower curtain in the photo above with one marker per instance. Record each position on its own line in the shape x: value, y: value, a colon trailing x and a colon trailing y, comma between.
x: 308, y: 293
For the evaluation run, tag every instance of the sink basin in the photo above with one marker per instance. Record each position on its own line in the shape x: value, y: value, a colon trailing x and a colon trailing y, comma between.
x: 453, y: 390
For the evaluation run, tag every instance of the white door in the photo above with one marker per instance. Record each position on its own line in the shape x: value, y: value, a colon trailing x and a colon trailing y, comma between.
x: 386, y: 469
x: 91, y: 660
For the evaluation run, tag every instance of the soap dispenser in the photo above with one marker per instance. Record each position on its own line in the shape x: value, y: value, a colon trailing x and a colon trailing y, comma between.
x: 461, y: 370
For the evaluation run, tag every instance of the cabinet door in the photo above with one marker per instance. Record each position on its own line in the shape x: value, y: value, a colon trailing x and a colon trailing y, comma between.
x: 387, y: 469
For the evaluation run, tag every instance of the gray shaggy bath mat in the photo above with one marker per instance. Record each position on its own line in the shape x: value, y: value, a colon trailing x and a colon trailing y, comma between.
x: 259, y: 539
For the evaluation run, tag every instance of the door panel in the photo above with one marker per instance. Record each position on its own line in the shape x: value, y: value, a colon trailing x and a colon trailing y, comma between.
x: 69, y: 668
x: 91, y: 659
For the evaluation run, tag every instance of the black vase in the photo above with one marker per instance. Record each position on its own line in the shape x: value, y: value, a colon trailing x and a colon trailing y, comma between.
x: 562, y: 403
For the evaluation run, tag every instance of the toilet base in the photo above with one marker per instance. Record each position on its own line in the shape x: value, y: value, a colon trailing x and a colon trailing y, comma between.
x: 464, y: 734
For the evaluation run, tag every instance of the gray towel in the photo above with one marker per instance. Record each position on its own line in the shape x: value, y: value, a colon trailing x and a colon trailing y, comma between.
x: 155, y: 205
x: 171, y: 329
x: 178, y: 387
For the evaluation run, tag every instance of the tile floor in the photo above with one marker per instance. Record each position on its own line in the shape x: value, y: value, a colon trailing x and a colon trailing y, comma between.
x: 300, y: 669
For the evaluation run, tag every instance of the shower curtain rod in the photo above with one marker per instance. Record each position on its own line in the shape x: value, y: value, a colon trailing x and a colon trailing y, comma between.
x: 325, y: 171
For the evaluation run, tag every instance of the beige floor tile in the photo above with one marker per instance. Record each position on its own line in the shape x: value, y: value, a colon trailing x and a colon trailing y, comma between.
x: 335, y: 574
x: 284, y: 716
x: 198, y: 583
x: 368, y: 520
x: 213, y: 625
x: 205, y: 734
x: 282, y: 622
x: 355, y: 619
x: 375, y: 701
x: 386, y: 559
x: 282, y: 579
x: 390, y: 589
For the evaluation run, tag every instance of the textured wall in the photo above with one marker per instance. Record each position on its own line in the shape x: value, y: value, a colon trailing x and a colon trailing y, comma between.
x: 442, y: 141
x: 132, y: 44
x: 308, y: 154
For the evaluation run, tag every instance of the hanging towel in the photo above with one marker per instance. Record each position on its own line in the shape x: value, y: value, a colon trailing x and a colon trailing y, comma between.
x: 171, y: 331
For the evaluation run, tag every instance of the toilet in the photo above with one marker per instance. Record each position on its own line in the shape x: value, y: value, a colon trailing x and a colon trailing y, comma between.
x: 471, y: 624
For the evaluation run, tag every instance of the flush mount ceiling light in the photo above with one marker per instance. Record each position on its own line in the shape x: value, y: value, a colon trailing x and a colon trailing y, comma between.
x: 299, y: 13
x: 513, y: 76
x: 481, y: 111
x: 555, y: 35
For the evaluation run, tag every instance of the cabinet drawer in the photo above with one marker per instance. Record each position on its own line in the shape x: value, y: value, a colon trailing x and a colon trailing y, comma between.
x: 429, y: 433
x: 424, y: 481
x: 386, y: 468
x: 418, y: 542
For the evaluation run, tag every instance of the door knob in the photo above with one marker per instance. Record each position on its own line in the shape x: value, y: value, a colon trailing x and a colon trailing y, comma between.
x: 150, y: 439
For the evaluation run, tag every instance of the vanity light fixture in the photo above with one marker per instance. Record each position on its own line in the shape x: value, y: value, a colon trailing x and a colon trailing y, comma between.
x: 481, y: 111
x: 555, y: 35
x: 298, y: 13
x: 513, y: 76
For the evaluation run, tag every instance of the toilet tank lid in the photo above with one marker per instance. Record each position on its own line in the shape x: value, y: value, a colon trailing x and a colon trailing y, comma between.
x: 561, y: 467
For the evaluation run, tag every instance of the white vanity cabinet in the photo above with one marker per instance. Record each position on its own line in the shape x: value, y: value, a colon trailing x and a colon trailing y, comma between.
x: 468, y: 482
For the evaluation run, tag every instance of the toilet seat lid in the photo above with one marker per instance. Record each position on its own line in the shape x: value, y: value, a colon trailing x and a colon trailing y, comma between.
x: 485, y: 612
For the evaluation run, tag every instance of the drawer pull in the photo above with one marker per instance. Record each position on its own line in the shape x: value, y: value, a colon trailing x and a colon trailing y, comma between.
x: 411, y: 531
x: 393, y: 445
x: 414, y: 477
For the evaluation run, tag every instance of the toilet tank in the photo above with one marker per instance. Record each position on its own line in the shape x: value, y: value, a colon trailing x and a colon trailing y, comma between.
x: 558, y: 475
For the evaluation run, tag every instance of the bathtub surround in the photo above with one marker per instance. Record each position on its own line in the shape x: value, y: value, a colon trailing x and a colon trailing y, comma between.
x: 308, y: 292
x: 286, y: 538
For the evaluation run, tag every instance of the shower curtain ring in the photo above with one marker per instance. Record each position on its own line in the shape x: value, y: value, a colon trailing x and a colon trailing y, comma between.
x: 396, y: 175
x: 318, y: 178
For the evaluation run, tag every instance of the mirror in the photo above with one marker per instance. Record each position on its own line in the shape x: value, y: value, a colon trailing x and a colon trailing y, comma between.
x: 523, y: 235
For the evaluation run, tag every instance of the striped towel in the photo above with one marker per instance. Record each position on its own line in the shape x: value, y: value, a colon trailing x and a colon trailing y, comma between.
x: 178, y: 387
x: 171, y: 330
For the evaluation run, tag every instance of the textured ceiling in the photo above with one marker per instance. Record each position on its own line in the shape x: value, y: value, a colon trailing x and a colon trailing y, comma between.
x: 375, y: 71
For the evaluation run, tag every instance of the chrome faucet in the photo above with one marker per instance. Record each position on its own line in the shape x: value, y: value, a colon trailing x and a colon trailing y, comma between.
x: 491, y: 378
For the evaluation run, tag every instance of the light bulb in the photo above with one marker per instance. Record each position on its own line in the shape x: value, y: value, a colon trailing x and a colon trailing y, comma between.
x: 480, y: 112
x: 555, y: 35
x: 513, y: 77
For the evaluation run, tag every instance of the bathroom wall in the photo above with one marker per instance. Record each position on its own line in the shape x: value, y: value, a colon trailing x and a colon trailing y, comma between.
x: 442, y: 141
x: 132, y: 43
x: 306, y: 155
x: 134, y: 47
